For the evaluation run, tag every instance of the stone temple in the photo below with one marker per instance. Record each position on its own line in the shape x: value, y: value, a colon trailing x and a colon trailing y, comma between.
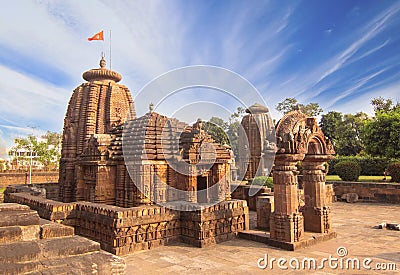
x: 163, y: 154
x: 134, y: 183
x: 111, y: 157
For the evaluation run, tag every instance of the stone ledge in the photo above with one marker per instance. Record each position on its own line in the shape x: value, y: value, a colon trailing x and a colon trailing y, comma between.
x: 19, y: 233
x: 19, y: 218
x: 46, y: 249
x: 369, y: 191
x: 263, y: 237
x: 50, y: 230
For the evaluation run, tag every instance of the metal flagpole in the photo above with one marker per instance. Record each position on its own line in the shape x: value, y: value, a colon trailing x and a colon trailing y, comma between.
x: 110, y: 49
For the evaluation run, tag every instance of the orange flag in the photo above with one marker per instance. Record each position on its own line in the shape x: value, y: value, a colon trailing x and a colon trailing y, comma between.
x: 97, y: 36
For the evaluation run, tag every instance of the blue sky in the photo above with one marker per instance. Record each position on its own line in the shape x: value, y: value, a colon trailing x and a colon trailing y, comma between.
x: 340, y: 54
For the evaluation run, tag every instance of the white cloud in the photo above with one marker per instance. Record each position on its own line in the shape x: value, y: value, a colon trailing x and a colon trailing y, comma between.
x: 362, y: 103
x: 359, y: 83
x: 371, y: 30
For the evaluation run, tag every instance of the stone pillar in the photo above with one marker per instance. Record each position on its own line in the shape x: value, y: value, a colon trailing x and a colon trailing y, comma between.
x: 287, y: 223
x: 316, y: 213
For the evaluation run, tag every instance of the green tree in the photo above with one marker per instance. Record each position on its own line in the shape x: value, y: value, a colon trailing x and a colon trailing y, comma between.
x: 291, y: 104
x: 226, y: 132
x: 382, y: 134
x: 345, y: 131
x: 233, y: 128
x: 216, y: 131
x: 381, y: 104
x: 330, y: 124
x: 47, y: 150
x: 349, y: 141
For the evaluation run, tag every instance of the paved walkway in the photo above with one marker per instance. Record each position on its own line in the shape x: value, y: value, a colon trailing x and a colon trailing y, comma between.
x: 353, y: 223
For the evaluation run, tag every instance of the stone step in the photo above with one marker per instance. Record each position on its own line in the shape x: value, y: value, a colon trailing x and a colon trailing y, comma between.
x: 98, y: 262
x: 13, y: 206
x: 18, y: 252
x: 50, y: 230
x: 21, y: 217
x: 20, y: 268
x: 61, y: 247
x: 19, y: 233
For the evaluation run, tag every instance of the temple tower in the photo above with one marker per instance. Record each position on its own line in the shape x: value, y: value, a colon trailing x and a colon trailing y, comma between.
x: 95, y: 107
x: 256, y: 142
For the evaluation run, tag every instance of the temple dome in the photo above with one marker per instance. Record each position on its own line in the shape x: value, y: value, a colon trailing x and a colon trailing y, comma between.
x: 257, y: 108
x: 101, y: 74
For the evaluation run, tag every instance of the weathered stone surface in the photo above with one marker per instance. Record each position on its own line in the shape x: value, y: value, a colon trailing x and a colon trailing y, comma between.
x: 55, y: 230
x: 19, y: 217
x: 20, y: 268
x: 23, y: 178
x: 265, y: 206
x: 19, y: 252
x: 23, y: 249
x: 350, y: 197
x: 255, y: 143
x: 47, y: 209
x: 98, y: 262
x: 60, y: 247
x: 13, y: 206
x: 242, y: 192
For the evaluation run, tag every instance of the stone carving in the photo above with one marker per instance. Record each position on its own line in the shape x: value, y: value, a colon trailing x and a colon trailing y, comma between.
x: 298, y: 134
x: 300, y: 139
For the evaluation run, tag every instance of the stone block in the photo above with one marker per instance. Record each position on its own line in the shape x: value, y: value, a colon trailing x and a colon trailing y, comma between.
x: 317, y: 219
x: 265, y: 206
x: 55, y: 230
x: 20, y: 268
x: 350, y: 197
x: 19, y: 252
x: 13, y: 206
x: 61, y: 247
x: 19, y: 217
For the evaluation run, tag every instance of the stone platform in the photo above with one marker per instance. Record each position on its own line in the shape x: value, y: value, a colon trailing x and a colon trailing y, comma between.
x: 354, y: 226
x: 32, y: 245
x: 264, y: 237
x: 126, y: 230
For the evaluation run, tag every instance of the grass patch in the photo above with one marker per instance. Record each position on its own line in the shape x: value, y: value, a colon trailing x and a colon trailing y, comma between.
x: 361, y: 178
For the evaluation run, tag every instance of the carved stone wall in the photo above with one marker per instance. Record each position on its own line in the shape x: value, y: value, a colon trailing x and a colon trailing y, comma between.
x: 214, y: 224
